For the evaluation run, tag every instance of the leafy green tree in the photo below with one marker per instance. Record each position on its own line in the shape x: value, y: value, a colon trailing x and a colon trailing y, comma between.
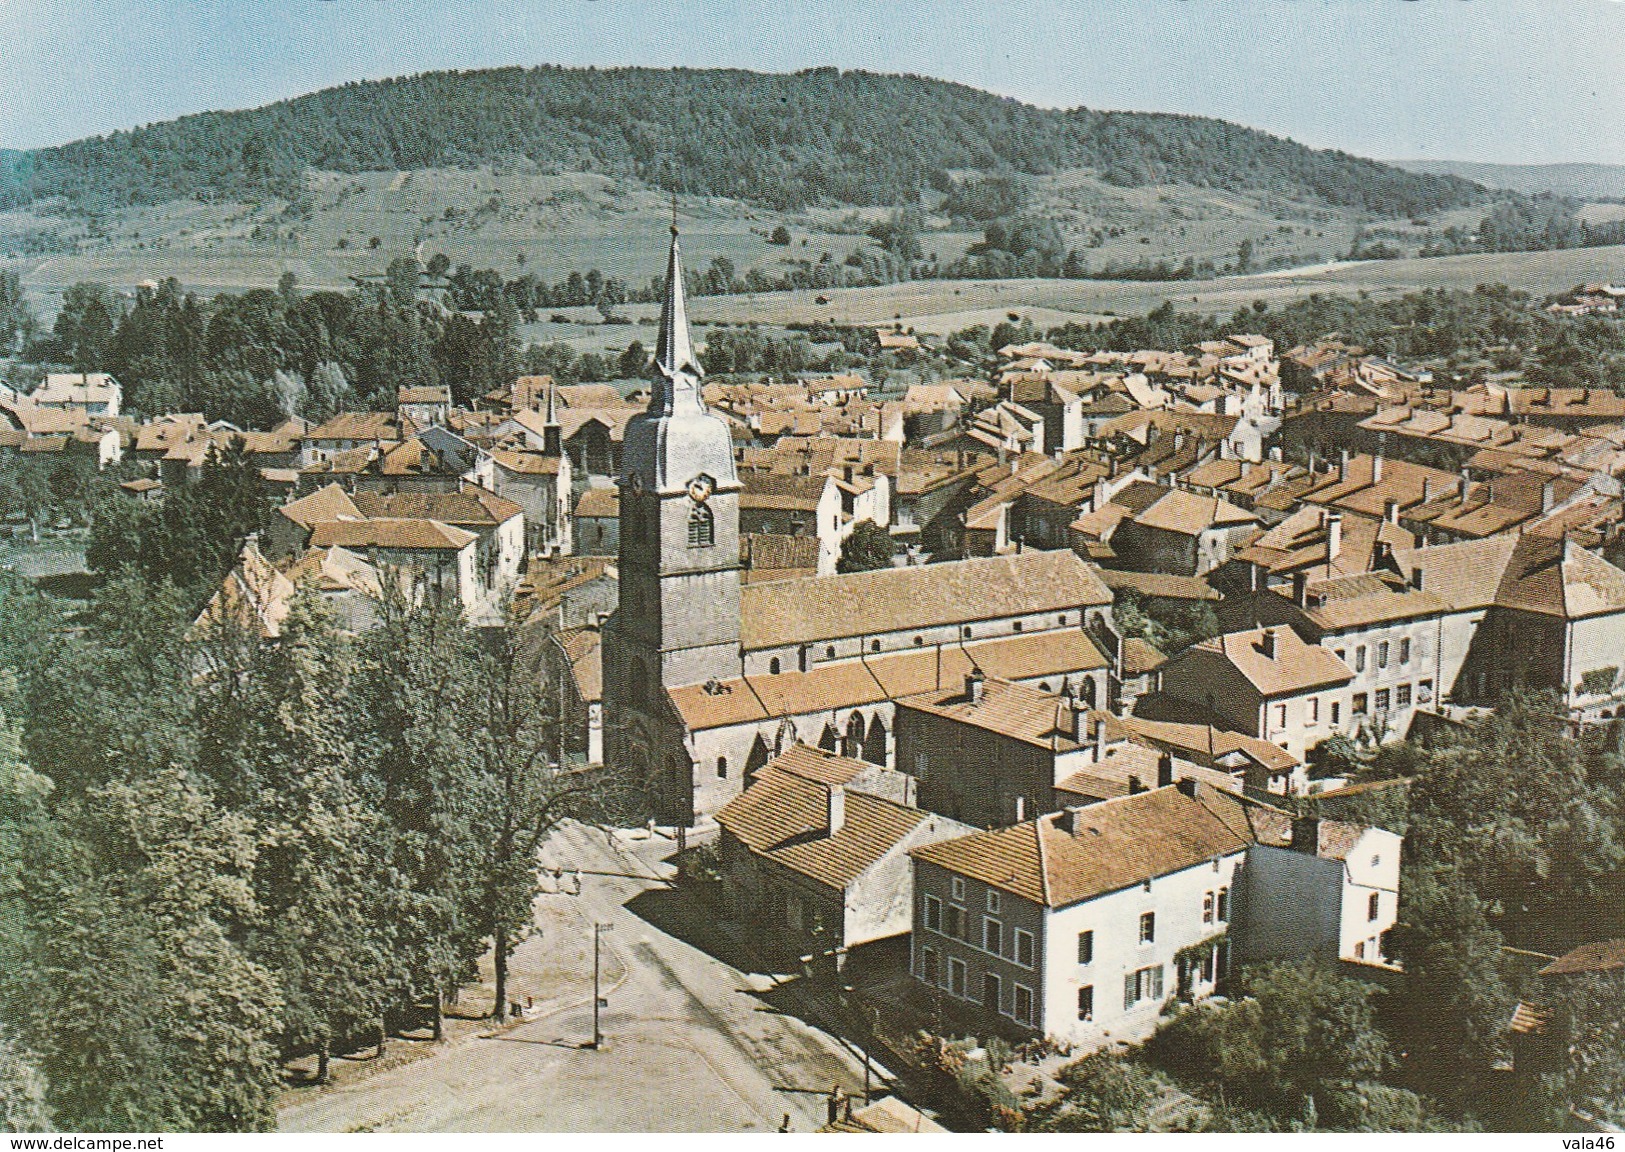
x: 16, y: 317
x: 1104, y: 1092
x: 1292, y: 1032
x: 1589, y: 1014
x: 633, y: 361
x: 781, y: 236
x: 868, y: 547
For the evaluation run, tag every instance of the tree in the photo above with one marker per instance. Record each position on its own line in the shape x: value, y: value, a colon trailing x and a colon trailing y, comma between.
x: 781, y: 236
x: 633, y: 361
x: 439, y: 265
x: 1589, y: 1013
x: 868, y: 547
x: 402, y: 279
x: 1292, y: 1032
x: 16, y: 318
x: 1105, y: 1092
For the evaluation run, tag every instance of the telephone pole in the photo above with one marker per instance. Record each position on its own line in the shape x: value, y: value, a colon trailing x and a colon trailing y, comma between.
x: 598, y: 1000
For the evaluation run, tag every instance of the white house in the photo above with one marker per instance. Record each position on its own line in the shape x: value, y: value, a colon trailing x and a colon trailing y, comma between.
x: 92, y: 393
x: 1084, y: 925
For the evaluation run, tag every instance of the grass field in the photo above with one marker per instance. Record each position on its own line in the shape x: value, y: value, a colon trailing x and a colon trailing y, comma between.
x: 549, y: 224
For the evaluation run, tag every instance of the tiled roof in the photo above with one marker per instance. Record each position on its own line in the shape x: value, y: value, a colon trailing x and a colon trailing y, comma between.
x: 1188, y: 514
x: 329, y: 503
x: 896, y: 599
x: 784, y: 816
x: 1295, y: 667
x: 850, y: 683
x: 1010, y: 709
x: 1600, y: 956
x: 1115, y: 844
x: 583, y: 649
x: 1140, y: 657
x: 1205, y: 744
x: 599, y: 503
x: 363, y: 426
x: 414, y: 535
x: 1158, y: 584
x: 472, y: 505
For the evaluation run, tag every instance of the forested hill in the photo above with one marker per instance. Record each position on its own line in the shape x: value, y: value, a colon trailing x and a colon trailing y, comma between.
x: 785, y: 141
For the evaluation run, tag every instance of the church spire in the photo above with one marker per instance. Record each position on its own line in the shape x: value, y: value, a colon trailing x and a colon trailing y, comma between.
x: 552, y: 432
x: 674, y: 353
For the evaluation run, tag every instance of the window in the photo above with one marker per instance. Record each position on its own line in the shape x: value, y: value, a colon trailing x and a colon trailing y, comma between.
x: 1024, y: 947
x: 1424, y: 691
x: 702, y: 527
x: 933, y: 913
x: 956, y: 978
x: 874, y: 645
x: 1383, y: 697
x: 1024, y: 1004
x: 1086, y: 947
x: 1016, y: 626
x: 773, y: 666
x: 1373, y: 906
x: 957, y: 888
x: 919, y: 641
x: 1061, y: 619
x: 1280, y: 715
x: 992, y: 900
x: 722, y: 767
x: 1224, y: 905
x: 1337, y: 711
x: 1314, y: 710
x: 1359, y: 949
x: 956, y: 922
x: 1207, y: 908
x: 1357, y: 706
x: 928, y: 966
x: 1402, y: 696
x: 1086, y: 1002
x: 1342, y: 654
x: 1382, y: 654
x: 829, y: 652
x: 921, y: 762
x: 1359, y: 658
x: 992, y: 993
x: 1405, y: 650
x: 965, y: 631
x: 1148, y: 927
x: 992, y: 936
x: 1146, y: 984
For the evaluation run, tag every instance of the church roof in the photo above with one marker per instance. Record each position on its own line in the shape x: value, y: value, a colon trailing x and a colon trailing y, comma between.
x: 896, y: 599
x: 852, y: 683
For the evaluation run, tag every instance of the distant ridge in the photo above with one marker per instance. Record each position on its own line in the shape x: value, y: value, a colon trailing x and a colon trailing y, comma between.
x: 785, y: 141
x: 1582, y: 181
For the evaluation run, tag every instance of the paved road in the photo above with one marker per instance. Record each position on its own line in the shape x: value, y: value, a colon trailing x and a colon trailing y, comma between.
x: 689, y: 1047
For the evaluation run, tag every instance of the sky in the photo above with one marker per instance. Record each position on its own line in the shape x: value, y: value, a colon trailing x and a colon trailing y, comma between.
x: 1510, y: 81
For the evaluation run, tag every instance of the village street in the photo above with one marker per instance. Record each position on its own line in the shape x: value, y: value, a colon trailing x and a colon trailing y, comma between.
x: 687, y: 1045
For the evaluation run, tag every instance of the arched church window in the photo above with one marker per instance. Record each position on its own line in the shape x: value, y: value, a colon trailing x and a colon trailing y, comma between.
x: 702, y: 528
x: 722, y: 767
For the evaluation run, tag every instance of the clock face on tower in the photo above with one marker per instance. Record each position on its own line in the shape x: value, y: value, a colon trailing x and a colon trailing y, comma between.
x: 700, y: 488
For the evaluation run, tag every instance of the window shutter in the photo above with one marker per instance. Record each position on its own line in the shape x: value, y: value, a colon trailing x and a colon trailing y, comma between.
x: 1156, y: 982
x: 1128, y: 990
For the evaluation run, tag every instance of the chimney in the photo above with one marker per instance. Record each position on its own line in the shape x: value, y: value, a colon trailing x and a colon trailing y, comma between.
x: 1376, y: 468
x: 1416, y: 578
x: 1266, y: 644
x: 1070, y: 821
x: 1427, y: 489
x: 847, y: 471
x: 1306, y: 835
x: 1189, y: 786
x: 1300, y: 588
x: 1100, y: 739
x: 1381, y: 553
x: 1462, y: 484
x: 1165, y: 769
x: 1135, y: 787
x: 837, y: 808
x: 975, y: 684
x: 1334, y: 536
x: 1547, y: 495
x: 1390, y: 511
x: 1343, y: 465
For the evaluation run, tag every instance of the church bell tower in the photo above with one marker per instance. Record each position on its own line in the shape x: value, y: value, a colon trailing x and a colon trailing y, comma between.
x: 677, y: 622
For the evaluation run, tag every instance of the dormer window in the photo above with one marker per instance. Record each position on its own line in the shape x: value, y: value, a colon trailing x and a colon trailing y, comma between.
x: 702, y: 527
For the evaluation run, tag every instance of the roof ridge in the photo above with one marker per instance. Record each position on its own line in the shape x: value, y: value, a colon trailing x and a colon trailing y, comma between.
x: 1043, y: 862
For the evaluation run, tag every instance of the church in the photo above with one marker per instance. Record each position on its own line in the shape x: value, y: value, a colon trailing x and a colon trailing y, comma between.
x: 706, y: 679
